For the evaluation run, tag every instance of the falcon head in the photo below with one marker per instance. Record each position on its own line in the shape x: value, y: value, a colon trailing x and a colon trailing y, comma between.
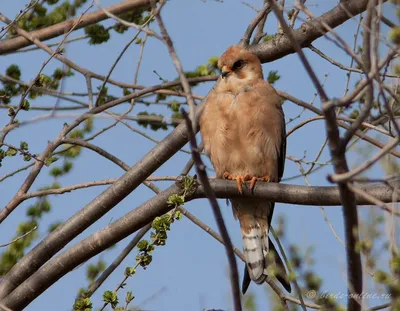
x: 238, y: 65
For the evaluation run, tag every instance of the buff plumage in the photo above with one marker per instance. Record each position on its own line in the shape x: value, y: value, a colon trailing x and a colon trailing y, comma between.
x: 243, y: 130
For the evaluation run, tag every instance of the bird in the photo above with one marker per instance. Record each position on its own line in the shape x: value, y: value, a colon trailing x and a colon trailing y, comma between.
x: 243, y: 131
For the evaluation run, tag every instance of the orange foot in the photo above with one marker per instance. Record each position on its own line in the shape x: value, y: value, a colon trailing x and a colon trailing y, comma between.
x: 253, y: 181
x: 239, y: 180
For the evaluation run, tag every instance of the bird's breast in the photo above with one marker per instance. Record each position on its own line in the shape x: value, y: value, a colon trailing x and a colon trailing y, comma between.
x: 233, y: 136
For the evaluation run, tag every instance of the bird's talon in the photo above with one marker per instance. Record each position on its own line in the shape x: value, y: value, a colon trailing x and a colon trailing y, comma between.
x: 239, y: 180
x: 255, y: 179
x: 253, y: 183
x: 239, y: 184
x: 228, y: 176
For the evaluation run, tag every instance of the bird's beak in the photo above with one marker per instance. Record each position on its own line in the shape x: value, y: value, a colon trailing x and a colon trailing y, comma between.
x: 225, y: 70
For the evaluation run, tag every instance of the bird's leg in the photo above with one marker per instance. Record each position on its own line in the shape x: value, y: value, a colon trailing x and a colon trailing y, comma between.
x: 253, y: 181
x: 239, y: 180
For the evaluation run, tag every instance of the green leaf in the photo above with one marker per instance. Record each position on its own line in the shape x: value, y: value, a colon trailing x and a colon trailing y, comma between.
x: 56, y: 171
x: 34, y: 211
x: 25, y: 227
x: 54, y: 226
x: 11, y: 112
x: 45, y: 205
x: 23, y: 145
x: 142, y: 245
x: 188, y: 183
x: 249, y: 302
x: 97, y: 34
x: 395, y: 264
x: 313, y: 282
x: 111, y: 298
x: 354, y: 114
x: 129, y: 271
x: 268, y: 38
x: 92, y: 272
x: 25, y: 105
x: 273, y: 76
x: 42, y: 80
x: 176, y: 200
x: 144, y: 259
x: 126, y: 91
x: 394, y: 35
x: 14, y: 72
x: 67, y: 166
x: 4, y: 97
x: 59, y: 73
x: 381, y: 276
x: 136, y: 16
x: 72, y: 151
x: 82, y: 304
x: 154, y: 126
x: 88, y: 125
x: 174, y: 105
x: 213, y: 61
x: 11, y: 152
x: 129, y: 297
x: 178, y: 215
x: 76, y: 134
x: 50, y: 160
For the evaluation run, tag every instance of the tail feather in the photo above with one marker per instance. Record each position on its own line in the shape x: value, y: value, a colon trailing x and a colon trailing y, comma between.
x: 255, y: 217
x: 258, y: 249
x: 281, y: 275
x: 253, y: 249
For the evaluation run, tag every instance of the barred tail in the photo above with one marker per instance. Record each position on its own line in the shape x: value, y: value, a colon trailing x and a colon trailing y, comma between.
x: 254, y: 252
x: 258, y: 252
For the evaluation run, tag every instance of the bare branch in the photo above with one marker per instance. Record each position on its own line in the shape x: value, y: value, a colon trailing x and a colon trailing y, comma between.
x: 260, y: 18
x: 19, y: 238
x: 346, y: 176
x: 179, y: 68
x: 141, y: 216
x: 281, y: 46
x: 56, y: 30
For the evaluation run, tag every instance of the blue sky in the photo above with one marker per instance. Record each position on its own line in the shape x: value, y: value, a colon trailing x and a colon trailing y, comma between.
x: 192, y: 268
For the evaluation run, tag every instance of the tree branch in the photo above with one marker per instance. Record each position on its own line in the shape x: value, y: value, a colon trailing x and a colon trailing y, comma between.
x: 59, y: 29
x: 281, y: 46
x: 350, y: 216
x: 145, y: 213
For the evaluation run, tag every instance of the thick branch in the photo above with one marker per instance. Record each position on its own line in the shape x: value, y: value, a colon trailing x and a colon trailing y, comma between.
x: 280, y: 45
x: 56, y: 30
x: 145, y: 213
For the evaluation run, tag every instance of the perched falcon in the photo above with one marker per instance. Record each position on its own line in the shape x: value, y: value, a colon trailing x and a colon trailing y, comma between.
x: 243, y: 130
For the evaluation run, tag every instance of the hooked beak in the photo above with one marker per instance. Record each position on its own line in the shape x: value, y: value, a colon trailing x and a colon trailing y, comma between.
x: 225, y: 70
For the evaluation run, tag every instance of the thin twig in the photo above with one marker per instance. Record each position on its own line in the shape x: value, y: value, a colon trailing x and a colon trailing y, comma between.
x: 178, y: 66
x: 261, y: 15
x: 19, y: 238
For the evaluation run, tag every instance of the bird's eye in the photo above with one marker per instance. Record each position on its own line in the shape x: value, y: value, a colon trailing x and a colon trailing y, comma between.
x: 238, y: 64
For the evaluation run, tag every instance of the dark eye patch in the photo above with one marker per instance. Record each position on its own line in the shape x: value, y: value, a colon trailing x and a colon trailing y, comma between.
x: 238, y: 64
